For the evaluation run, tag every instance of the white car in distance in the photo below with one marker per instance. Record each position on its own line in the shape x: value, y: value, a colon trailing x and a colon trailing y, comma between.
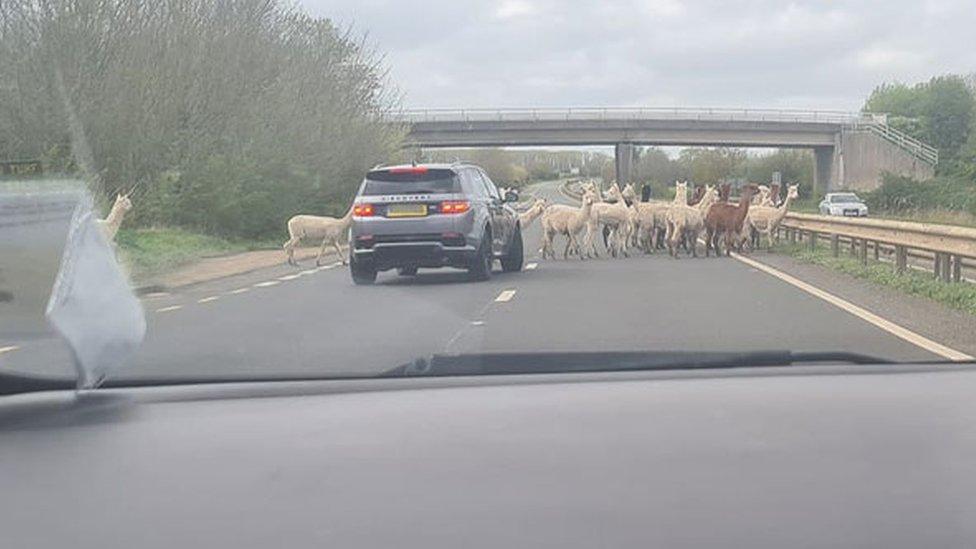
x: 846, y: 204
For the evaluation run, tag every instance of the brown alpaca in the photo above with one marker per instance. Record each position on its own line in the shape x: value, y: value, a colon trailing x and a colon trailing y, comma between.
x: 697, y: 197
x: 727, y: 219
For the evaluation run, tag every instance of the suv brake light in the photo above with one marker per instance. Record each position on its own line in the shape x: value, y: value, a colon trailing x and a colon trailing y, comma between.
x: 363, y: 210
x: 454, y: 206
x: 409, y: 169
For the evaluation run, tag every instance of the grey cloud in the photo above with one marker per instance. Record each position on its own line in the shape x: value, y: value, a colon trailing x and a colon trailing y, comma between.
x: 753, y: 53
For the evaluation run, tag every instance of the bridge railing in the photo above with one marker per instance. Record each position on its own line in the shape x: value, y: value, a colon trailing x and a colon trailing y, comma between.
x: 636, y: 113
x: 949, y: 250
x: 919, y: 149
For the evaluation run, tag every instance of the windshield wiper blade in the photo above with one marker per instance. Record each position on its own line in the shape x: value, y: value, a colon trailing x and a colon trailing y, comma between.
x: 563, y: 362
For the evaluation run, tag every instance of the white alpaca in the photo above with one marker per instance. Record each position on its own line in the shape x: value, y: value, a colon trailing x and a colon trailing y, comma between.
x: 766, y: 219
x: 110, y: 225
x: 617, y: 216
x: 761, y: 196
x: 559, y: 219
x: 687, y: 222
x: 528, y: 216
x: 329, y: 229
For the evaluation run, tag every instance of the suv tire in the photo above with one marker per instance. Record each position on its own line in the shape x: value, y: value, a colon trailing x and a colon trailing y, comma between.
x: 407, y: 271
x: 480, y: 268
x: 362, y: 275
x: 512, y: 262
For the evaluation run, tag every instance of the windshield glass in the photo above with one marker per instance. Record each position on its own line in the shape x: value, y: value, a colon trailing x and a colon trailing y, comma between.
x: 299, y: 188
x: 844, y: 198
x: 428, y: 181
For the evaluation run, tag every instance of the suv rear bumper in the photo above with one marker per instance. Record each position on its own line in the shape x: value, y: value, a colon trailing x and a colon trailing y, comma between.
x: 392, y: 255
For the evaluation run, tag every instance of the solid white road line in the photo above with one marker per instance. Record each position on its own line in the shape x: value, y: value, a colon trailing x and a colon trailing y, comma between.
x: 286, y: 278
x: 8, y: 349
x: 309, y: 272
x: 863, y: 314
x: 170, y: 308
x: 506, y: 295
x: 531, y: 266
x: 239, y: 291
x: 208, y: 299
x: 266, y: 284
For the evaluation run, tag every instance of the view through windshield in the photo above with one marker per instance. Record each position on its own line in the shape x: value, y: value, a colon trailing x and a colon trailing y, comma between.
x: 324, y: 189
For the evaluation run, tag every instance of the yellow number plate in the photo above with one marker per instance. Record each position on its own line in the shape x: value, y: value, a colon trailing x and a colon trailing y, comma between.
x: 406, y: 210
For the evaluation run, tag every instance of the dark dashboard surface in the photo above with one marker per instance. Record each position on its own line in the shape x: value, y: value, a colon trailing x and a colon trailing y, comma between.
x: 783, y: 457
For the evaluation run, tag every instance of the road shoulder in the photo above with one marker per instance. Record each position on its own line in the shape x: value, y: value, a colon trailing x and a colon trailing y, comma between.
x: 926, y: 317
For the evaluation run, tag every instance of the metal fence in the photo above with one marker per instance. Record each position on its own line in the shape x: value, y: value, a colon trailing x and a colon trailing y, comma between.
x: 638, y: 113
x: 949, y: 250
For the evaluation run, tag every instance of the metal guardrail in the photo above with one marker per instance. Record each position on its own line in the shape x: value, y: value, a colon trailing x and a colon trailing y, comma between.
x: 638, y: 113
x: 947, y: 245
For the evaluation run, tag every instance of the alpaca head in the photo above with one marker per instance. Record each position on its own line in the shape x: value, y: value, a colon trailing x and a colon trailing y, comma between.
x: 629, y: 193
x: 122, y: 202
x: 793, y: 192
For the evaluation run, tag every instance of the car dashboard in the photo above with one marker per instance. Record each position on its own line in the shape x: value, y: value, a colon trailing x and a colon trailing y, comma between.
x: 812, y: 456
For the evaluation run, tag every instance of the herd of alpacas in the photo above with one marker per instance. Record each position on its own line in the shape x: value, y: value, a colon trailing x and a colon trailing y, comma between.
x: 626, y: 223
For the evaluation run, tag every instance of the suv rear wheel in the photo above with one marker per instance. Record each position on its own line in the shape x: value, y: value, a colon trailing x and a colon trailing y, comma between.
x: 361, y: 274
x: 480, y: 269
x: 512, y: 262
x: 407, y: 271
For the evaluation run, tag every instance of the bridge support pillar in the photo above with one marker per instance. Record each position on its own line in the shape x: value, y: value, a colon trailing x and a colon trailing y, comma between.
x: 624, y: 154
x: 823, y: 167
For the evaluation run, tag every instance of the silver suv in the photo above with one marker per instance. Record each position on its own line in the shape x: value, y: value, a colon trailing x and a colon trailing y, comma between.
x: 432, y: 215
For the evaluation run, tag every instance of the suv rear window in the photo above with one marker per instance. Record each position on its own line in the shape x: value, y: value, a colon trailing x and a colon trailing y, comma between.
x: 435, y: 181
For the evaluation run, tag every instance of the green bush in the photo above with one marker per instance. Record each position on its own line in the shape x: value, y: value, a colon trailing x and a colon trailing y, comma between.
x: 901, y: 195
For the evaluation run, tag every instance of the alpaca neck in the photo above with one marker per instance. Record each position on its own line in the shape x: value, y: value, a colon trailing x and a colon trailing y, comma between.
x: 781, y: 211
x: 347, y: 219
x: 584, y: 212
x: 114, y: 218
x: 742, y: 209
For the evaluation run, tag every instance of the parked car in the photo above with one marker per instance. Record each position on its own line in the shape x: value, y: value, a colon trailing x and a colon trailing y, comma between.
x: 432, y: 215
x: 846, y: 204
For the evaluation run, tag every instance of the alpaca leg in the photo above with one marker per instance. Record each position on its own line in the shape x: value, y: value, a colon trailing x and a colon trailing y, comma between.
x: 338, y: 250
x: 289, y: 248
x: 325, y: 244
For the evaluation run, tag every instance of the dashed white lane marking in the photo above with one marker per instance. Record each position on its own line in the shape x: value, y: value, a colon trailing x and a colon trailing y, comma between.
x: 531, y: 266
x: 477, y: 322
x: 286, y: 278
x: 266, y: 284
x: 170, y: 308
x: 208, y: 299
x: 506, y: 295
x: 863, y: 314
x: 8, y: 349
x: 154, y: 295
x: 239, y: 291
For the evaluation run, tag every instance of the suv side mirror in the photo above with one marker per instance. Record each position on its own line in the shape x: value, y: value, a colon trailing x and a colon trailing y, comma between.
x: 511, y: 195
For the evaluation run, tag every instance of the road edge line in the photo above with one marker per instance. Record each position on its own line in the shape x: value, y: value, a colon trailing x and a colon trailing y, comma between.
x: 892, y: 328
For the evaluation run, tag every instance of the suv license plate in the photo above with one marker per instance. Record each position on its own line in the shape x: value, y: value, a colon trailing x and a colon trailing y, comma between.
x: 406, y: 210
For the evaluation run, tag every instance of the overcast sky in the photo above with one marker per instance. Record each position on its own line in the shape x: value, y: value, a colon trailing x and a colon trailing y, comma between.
x: 759, y: 53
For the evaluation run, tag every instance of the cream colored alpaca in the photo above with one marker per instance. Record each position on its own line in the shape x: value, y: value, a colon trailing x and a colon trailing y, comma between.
x: 766, y: 219
x: 528, y: 216
x: 314, y: 227
x: 617, y: 216
x: 110, y: 225
x: 559, y: 219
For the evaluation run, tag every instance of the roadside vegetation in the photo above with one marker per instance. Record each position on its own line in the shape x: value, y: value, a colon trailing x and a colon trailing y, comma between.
x: 961, y: 296
x: 148, y: 252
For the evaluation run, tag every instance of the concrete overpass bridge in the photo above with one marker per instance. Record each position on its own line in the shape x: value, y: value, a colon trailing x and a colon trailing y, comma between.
x: 851, y: 150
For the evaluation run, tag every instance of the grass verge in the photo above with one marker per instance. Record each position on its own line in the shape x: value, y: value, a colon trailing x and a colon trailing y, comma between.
x: 149, y: 252
x: 961, y: 296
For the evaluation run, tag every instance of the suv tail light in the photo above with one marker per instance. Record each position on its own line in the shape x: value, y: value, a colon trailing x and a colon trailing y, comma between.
x: 454, y: 206
x: 363, y: 210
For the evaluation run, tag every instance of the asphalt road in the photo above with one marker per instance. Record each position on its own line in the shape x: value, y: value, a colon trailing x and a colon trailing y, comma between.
x: 315, y: 321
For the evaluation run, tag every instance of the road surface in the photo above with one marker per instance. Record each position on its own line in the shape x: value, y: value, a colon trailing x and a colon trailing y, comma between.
x: 287, y: 321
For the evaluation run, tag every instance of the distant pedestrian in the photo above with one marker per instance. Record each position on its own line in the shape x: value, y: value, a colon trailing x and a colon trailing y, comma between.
x: 645, y: 193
